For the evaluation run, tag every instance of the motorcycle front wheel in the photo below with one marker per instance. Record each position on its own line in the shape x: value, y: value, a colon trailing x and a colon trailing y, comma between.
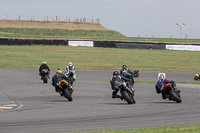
x: 67, y: 94
x: 176, y: 98
x: 128, y: 97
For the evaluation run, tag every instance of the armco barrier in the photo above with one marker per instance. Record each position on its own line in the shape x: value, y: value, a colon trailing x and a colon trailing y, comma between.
x: 107, y: 44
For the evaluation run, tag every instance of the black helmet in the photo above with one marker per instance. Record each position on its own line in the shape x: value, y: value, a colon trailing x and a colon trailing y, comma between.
x: 115, y: 73
x: 124, y: 67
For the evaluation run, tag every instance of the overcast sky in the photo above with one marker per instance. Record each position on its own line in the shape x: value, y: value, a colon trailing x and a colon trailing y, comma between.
x: 132, y: 18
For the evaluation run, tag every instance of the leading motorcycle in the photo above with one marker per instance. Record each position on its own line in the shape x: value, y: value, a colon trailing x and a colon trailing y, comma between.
x: 44, y: 75
x: 172, y: 93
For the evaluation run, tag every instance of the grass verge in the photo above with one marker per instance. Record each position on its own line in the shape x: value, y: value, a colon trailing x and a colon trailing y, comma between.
x: 93, y: 58
x: 163, y: 129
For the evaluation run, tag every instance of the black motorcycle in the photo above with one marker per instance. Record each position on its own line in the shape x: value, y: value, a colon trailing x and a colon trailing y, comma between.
x: 71, y: 75
x: 127, y: 93
x: 66, y: 89
x: 172, y: 93
x: 196, y: 77
x: 44, y: 75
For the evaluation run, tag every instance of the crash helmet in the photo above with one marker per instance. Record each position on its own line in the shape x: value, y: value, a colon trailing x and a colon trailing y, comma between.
x: 124, y: 67
x: 115, y: 73
x: 70, y: 64
x: 44, y: 62
x: 59, y: 71
x: 162, y: 76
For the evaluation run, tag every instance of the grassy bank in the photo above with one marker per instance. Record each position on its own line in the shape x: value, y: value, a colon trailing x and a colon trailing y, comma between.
x: 163, y: 129
x: 87, y: 58
x: 39, y: 33
x: 108, y: 35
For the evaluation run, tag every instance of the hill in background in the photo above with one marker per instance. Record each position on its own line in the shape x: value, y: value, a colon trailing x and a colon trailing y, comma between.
x: 51, y: 25
x: 55, y: 30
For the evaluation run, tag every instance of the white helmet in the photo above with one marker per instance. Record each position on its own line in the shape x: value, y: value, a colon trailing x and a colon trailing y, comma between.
x: 162, y: 76
x: 44, y: 62
x: 70, y: 64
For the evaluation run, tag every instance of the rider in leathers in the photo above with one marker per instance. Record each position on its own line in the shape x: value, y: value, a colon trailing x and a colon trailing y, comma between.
x: 71, y: 68
x: 57, y: 78
x: 126, y: 73
x: 115, y: 80
x: 44, y: 66
x: 161, y: 83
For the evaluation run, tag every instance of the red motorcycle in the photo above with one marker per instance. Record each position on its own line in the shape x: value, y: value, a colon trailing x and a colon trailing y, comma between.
x: 172, y: 93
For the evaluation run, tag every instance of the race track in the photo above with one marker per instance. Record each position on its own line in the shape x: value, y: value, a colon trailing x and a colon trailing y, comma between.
x: 41, y: 109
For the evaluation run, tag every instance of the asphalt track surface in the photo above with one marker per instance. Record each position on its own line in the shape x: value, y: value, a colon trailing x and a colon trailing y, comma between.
x: 41, y: 109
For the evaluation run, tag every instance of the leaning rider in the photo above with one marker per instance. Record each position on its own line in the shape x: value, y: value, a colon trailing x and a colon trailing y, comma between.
x: 71, y: 68
x: 115, y: 81
x: 44, y: 66
x: 125, y: 72
x: 161, y: 83
x: 57, y: 78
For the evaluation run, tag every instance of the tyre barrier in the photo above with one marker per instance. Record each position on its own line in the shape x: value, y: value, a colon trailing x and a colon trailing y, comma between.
x: 105, y: 44
x: 32, y: 41
x: 141, y: 45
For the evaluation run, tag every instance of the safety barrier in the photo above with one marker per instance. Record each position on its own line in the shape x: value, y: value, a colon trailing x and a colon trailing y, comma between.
x: 107, y: 44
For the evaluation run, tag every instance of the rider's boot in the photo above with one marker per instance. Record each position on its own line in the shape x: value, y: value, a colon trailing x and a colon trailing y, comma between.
x: 117, y: 96
x: 164, y: 96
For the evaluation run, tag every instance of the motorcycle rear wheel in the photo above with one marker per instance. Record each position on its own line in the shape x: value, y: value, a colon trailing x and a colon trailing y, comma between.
x: 176, y: 98
x: 45, y: 80
x: 67, y: 94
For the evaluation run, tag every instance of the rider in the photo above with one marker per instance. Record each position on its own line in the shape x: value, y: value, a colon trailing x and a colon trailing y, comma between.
x: 57, y: 78
x: 44, y: 66
x: 161, y: 83
x: 70, y: 68
x: 115, y: 80
x: 125, y: 72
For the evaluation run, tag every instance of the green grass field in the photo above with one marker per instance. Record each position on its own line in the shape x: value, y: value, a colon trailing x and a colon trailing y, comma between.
x: 88, y: 58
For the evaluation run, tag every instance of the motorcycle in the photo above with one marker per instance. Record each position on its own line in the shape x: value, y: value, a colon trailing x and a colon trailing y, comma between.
x: 136, y: 73
x: 72, y: 76
x: 172, y: 93
x: 130, y: 77
x: 196, y: 77
x: 127, y: 93
x: 44, y: 75
x: 66, y: 89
